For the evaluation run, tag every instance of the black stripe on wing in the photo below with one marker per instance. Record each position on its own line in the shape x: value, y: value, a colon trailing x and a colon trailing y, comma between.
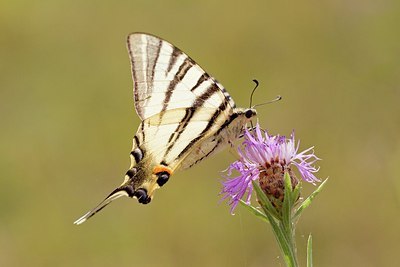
x: 172, y: 60
x: 151, y: 63
x: 204, y: 77
x: 216, y: 114
x: 211, y: 90
x: 190, y: 112
x: 183, y: 69
x: 219, y: 142
x: 134, y: 77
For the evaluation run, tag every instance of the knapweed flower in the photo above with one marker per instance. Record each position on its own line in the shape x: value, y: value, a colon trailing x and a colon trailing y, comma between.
x: 266, y: 158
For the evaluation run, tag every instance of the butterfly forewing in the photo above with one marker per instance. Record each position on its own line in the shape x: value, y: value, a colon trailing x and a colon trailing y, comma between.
x: 165, y: 78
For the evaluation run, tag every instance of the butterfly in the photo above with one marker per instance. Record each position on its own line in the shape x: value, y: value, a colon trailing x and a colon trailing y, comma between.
x: 186, y: 116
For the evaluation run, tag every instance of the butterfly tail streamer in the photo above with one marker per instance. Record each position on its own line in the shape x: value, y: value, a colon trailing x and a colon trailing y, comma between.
x: 117, y: 193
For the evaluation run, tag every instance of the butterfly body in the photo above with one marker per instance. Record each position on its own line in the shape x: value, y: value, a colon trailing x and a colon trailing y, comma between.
x: 186, y: 117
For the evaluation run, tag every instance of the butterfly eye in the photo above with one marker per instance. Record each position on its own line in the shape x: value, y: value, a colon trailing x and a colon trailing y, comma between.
x: 141, y: 195
x: 162, y: 178
x: 249, y: 113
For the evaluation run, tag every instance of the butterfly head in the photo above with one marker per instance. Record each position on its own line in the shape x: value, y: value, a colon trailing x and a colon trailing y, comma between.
x: 250, y: 113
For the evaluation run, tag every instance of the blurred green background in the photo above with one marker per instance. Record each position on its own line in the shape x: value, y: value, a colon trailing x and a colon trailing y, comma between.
x: 67, y: 119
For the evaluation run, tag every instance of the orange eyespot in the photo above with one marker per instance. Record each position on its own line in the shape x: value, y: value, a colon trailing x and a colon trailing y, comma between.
x: 163, y: 173
x: 162, y: 168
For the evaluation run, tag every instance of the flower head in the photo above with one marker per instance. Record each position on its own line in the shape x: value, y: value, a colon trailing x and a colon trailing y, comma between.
x: 266, y: 158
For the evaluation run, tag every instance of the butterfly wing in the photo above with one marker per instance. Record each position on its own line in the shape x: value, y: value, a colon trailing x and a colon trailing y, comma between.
x: 167, y: 82
x: 165, y: 78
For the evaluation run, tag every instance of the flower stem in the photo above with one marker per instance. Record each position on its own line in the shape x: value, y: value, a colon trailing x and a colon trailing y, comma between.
x: 282, y: 226
x: 283, y: 242
x: 290, y: 235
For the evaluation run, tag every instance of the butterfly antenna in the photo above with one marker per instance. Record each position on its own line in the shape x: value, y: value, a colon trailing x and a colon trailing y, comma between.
x: 277, y: 98
x: 252, y: 92
x: 251, y: 99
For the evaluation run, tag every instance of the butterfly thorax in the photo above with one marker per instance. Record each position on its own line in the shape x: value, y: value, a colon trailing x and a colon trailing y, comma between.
x: 236, y: 124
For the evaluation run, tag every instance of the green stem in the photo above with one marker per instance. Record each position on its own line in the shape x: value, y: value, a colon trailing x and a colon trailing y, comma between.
x: 283, y: 242
x: 288, y: 233
x: 282, y: 226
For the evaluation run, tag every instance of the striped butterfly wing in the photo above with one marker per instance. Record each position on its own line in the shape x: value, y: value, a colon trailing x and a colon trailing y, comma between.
x: 165, y: 78
x: 186, y: 117
x: 180, y: 101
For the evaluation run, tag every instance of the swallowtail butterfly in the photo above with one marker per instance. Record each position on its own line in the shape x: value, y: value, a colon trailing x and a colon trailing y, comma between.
x: 186, y: 116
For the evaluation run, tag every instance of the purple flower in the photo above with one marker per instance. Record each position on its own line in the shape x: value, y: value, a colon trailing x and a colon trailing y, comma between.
x: 265, y: 158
